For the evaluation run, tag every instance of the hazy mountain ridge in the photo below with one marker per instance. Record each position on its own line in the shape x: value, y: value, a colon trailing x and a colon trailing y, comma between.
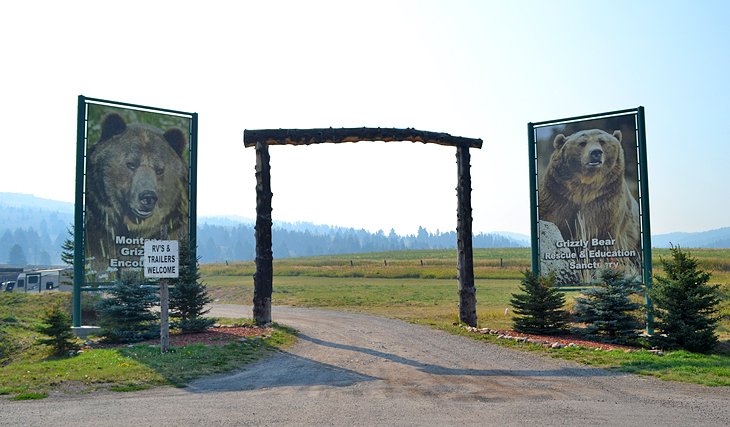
x: 718, y: 238
x: 40, y: 227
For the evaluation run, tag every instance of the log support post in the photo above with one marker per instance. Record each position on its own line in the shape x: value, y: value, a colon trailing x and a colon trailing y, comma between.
x: 465, y: 256
x: 264, y: 276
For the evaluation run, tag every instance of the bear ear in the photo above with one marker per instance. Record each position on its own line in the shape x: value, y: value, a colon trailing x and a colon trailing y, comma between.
x: 617, y: 135
x: 559, y: 141
x: 113, y: 124
x: 176, y: 139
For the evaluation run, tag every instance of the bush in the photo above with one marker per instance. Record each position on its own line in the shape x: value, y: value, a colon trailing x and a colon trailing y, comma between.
x: 189, y: 296
x: 607, y: 308
x: 57, y: 326
x: 125, y: 316
x: 685, y: 305
x: 539, y: 308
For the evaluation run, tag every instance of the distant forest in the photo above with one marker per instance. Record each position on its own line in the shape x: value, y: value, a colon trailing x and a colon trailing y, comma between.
x: 217, y: 243
x: 34, y: 236
x: 32, y: 231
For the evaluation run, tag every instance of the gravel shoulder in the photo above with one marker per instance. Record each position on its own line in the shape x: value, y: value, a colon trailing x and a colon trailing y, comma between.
x: 355, y: 369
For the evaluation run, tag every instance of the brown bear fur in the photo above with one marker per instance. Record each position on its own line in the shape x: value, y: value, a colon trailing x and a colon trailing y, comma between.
x: 584, y: 192
x: 136, y: 187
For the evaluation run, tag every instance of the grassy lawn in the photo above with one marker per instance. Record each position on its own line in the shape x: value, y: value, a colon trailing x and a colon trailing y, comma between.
x: 415, y: 286
x: 27, y: 372
x: 395, y: 284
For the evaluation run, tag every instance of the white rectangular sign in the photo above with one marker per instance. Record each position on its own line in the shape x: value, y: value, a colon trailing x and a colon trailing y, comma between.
x: 161, y: 259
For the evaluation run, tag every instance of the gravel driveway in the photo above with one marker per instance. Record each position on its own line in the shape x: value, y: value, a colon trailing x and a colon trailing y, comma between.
x: 354, y: 369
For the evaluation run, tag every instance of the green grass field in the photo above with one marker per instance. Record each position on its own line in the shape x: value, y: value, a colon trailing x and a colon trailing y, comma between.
x: 397, y: 285
x: 415, y: 286
x: 27, y: 371
x: 418, y: 286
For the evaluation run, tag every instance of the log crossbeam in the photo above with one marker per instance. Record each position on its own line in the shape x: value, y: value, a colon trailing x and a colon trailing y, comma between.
x: 342, y: 135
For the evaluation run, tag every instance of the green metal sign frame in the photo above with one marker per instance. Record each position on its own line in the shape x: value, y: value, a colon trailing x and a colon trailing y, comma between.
x: 643, y: 193
x: 80, y: 208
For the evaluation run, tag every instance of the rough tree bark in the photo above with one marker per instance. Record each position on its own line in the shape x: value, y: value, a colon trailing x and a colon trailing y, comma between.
x: 263, y: 278
x: 465, y: 256
x: 340, y: 135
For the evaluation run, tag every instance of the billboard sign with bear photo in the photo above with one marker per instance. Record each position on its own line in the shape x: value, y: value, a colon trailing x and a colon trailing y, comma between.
x: 138, y: 177
x: 589, y: 201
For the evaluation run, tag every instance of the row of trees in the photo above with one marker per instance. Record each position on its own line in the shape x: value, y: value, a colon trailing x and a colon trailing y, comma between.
x: 219, y: 243
x: 685, y: 307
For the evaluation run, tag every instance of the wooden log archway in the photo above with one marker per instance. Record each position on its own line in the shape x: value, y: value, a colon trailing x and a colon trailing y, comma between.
x: 261, y: 139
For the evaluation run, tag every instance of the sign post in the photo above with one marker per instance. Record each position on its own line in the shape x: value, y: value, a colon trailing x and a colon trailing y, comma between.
x: 162, y: 261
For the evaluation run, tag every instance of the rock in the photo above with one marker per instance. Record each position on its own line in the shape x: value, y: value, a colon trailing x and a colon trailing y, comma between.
x: 557, y: 345
x: 657, y: 352
x: 572, y: 345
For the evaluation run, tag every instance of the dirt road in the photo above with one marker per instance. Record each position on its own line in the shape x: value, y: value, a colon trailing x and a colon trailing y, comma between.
x: 351, y: 369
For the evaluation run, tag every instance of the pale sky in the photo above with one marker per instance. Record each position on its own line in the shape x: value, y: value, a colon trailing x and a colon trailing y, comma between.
x: 480, y: 69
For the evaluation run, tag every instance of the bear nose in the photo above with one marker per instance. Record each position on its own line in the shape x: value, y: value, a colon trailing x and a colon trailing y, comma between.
x: 148, y: 199
x: 596, y: 155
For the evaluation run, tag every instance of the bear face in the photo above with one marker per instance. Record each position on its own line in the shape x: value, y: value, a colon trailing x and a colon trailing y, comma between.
x: 137, y: 185
x: 588, y: 155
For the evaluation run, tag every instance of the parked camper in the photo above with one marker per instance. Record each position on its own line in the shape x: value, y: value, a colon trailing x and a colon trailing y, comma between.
x: 42, y: 280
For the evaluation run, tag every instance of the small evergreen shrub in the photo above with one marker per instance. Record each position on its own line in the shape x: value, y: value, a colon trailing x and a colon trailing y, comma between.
x: 189, y: 296
x: 126, y: 316
x: 540, y: 306
x: 685, y: 306
x: 607, y: 309
x: 57, y: 327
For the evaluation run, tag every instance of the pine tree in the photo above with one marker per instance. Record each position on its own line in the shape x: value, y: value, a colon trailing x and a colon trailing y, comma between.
x: 125, y: 316
x: 67, y: 252
x: 57, y: 326
x: 67, y: 248
x: 539, y: 307
x: 686, y: 306
x: 607, y: 308
x: 189, y: 296
x: 16, y: 256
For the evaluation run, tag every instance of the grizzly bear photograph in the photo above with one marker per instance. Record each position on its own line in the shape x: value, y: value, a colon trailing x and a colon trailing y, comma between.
x: 136, y: 189
x: 584, y: 191
x: 589, y: 217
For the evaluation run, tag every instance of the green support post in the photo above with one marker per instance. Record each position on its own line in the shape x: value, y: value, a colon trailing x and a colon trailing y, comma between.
x: 79, y: 211
x: 645, y: 227
x: 533, y: 197
x: 193, y: 186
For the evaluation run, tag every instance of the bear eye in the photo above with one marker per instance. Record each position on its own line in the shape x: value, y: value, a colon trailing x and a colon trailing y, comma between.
x: 159, y: 171
x: 131, y: 166
x: 583, y: 143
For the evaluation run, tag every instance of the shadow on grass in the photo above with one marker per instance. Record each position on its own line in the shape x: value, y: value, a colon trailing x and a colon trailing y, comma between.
x: 198, y: 358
